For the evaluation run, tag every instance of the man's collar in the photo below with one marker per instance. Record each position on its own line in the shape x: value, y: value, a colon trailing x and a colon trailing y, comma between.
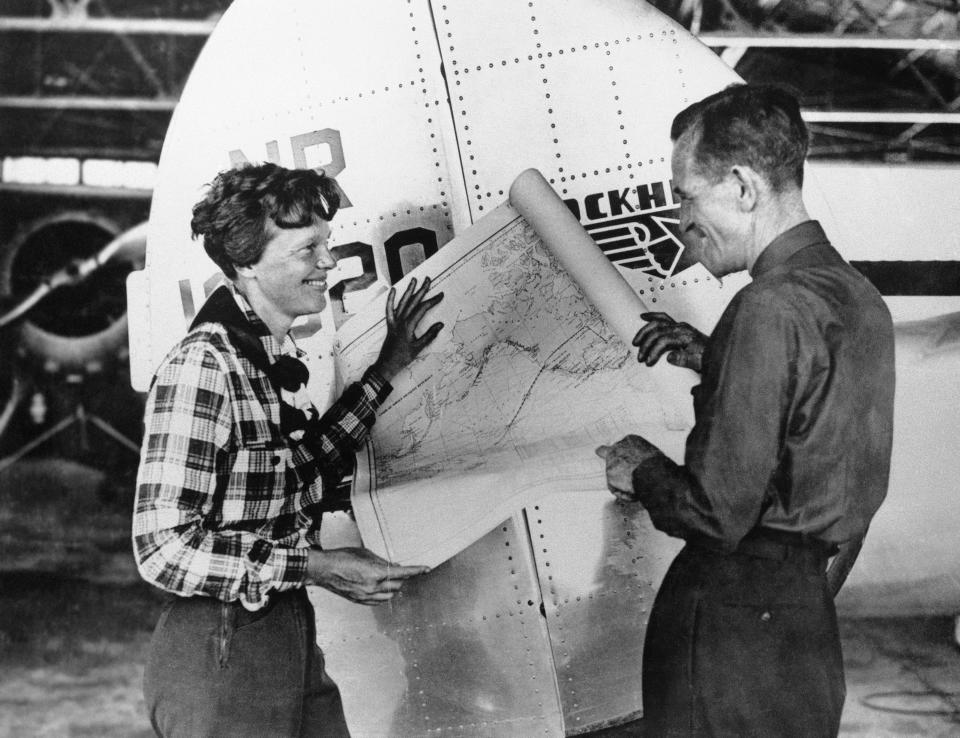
x: 804, y: 234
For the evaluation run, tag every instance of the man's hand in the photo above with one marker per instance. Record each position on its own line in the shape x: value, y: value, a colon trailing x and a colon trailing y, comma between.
x: 682, y: 343
x: 622, y: 458
x: 842, y: 563
x: 401, y: 346
x: 358, y: 574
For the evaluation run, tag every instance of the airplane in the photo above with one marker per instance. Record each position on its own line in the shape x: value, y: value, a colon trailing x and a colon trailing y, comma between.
x: 425, y: 112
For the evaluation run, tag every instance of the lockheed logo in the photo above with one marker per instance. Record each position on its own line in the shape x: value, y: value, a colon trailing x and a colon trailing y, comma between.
x: 637, y: 227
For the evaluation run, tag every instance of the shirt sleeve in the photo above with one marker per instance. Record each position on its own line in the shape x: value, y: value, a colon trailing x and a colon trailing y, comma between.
x: 188, y: 427
x: 331, y: 443
x: 733, y: 452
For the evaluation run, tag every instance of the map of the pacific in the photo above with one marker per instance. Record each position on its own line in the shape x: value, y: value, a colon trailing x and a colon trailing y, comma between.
x: 523, y: 367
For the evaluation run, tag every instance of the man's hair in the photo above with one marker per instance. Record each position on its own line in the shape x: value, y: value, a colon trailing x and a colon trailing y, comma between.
x: 754, y: 125
x: 233, y: 216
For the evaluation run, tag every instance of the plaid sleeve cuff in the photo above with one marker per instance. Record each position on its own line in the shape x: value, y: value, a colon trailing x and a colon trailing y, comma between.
x: 272, y: 568
x: 375, y: 387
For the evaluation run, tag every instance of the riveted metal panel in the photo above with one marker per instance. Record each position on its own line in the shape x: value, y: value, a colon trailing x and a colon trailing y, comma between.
x: 462, y: 651
x: 592, y: 89
x: 599, y: 562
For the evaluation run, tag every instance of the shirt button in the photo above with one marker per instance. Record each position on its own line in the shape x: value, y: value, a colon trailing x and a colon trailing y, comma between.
x: 765, y: 617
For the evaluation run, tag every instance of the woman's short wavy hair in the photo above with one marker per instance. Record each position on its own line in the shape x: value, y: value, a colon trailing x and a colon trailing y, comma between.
x: 240, y: 205
x: 754, y: 125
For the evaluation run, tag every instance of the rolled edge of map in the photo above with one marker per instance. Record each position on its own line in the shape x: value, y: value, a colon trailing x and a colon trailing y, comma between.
x: 562, y: 233
x: 603, y: 285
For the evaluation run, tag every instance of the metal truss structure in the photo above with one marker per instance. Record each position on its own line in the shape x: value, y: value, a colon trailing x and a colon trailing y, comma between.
x: 879, y: 78
x: 96, y: 78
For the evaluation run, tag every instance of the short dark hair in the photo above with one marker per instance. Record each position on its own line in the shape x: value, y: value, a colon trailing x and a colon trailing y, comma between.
x: 232, y: 217
x: 756, y: 125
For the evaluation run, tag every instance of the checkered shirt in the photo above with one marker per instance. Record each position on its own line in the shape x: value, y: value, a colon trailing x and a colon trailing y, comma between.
x: 225, y: 505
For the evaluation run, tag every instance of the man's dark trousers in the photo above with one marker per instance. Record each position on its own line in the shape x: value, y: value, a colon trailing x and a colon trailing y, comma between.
x: 744, y: 644
x: 215, y: 669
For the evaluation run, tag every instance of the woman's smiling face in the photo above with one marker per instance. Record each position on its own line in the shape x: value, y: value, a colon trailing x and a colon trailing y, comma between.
x: 290, y: 277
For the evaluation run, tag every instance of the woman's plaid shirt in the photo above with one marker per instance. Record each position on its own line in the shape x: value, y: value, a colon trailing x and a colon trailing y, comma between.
x: 225, y: 505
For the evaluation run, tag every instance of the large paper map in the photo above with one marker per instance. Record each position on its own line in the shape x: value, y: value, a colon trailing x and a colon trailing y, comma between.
x: 508, y: 403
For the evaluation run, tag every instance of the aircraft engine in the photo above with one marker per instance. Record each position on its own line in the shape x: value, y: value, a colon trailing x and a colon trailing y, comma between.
x: 62, y: 277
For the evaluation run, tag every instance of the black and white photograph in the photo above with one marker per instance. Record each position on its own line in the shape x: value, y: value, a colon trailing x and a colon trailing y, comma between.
x: 428, y: 368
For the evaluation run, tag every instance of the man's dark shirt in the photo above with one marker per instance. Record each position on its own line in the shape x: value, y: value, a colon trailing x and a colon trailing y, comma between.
x: 794, y: 413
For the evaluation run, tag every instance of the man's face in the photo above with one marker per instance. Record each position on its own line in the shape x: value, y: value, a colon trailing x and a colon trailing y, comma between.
x: 291, y: 274
x: 711, y: 223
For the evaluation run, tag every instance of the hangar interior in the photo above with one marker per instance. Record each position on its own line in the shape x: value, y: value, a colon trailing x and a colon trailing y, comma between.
x: 87, y: 90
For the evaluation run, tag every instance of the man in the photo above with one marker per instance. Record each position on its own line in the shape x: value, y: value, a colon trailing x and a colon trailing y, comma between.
x: 236, y: 465
x: 789, y: 455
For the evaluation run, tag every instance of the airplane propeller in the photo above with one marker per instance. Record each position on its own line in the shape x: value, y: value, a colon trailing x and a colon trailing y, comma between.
x: 75, y: 272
